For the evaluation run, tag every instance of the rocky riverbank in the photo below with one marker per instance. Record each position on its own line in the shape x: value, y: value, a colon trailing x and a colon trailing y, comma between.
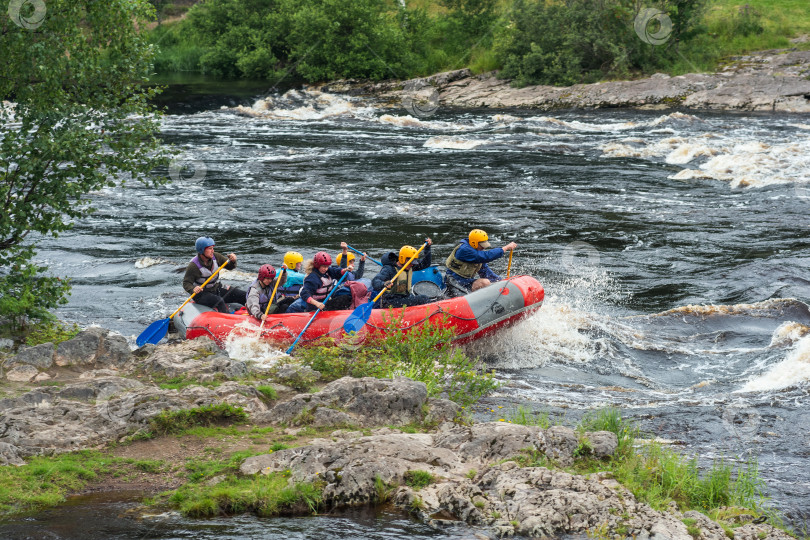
x: 358, y: 441
x: 774, y: 81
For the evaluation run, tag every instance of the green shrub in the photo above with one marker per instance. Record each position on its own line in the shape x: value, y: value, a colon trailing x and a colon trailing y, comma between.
x: 423, y: 354
x: 268, y: 391
x: 525, y: 417
x: 51, y: 331
x: 208, y: 415
x: 418, y: 479
x: 581, y: 41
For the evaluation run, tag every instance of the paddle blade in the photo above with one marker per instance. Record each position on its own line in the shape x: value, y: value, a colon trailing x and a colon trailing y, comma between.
x: 358, y: 318
x: 153, y: 333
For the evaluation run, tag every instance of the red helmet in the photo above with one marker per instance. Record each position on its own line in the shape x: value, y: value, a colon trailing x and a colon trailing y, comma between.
x: 267, y: 272
x: 322, y: 258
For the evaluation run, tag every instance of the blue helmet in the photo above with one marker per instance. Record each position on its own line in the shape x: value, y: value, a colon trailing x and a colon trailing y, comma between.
x: 202, y: 243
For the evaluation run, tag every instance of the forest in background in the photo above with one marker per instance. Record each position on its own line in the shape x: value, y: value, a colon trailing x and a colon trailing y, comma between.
x: 558, y: 42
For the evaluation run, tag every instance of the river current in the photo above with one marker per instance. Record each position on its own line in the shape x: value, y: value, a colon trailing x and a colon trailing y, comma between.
x: 673, y: 247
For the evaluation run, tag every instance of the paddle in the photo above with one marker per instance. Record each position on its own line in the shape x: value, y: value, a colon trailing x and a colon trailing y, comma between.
x: 360, y: 315
x: 157, y: 330
x: 367, y: 257
x: 325, y: 300
x: 272, y: 297
x: 509, y: 268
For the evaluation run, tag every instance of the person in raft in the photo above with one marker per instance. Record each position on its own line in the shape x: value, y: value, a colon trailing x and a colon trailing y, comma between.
x: 260, y: 291
x: 294, y: 262
x: 467, y: 264
x: 215, y: 295
x: 345, y: 258
x: 399, y: 290
x: 321, y: 279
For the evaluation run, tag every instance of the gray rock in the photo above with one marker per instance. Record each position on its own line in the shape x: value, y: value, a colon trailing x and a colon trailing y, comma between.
x: 39, y: 356
x: 22, y: 373
x: 235, y: 369
x: 442, y: 410
x: 9, y: 455
x: 531, y: 502
x: 82, y: 349
x: 114, y: 351
x: 603, y: 443
x: 366, y: 401
x: 296, y: 376
x: 559, y: 444
x: 767, y: 80
x: 6, y: 344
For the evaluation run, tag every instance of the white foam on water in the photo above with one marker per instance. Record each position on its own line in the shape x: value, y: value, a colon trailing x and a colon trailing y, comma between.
x: 244, y: 344
x: 793, y: 370
x: 305, y: 105
x: 453, y: 143
x: 237, y: 275
x: 411, y: 122
x: 788, y: 333
x: 146, y: 262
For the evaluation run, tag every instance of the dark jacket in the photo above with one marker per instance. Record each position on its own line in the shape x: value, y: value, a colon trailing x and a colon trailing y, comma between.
x: 193, y: 273
x: 358, y: 273
x: 467, y: 253
x: 390, y: 268
x: 313, y: 281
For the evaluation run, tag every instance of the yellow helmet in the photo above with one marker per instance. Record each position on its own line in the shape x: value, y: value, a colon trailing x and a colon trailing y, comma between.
x: 291, y: 258
x: 478, y: 238
x: 406, y: 253
x: 340, y: 257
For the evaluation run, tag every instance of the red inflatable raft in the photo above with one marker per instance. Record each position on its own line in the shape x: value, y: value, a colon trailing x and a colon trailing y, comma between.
x: 472, y: 316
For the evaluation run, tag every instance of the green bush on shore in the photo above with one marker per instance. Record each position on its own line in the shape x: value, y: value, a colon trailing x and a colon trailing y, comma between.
x: 531, y: 41
x: 424, y: 353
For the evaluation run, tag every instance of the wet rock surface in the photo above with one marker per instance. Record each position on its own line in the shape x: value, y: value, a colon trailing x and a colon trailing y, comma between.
x: 774, y: 80
x: 98, y: 392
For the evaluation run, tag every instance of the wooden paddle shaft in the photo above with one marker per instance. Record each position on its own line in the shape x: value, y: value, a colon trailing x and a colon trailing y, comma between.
x: 273, y: 296
x: 194, y: 294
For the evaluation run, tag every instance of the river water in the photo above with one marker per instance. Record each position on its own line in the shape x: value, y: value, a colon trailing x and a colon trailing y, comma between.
x: 672, y: 245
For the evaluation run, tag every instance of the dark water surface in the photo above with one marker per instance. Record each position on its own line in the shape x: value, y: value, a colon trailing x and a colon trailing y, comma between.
x: 673, y: 248
x: 117, y: 515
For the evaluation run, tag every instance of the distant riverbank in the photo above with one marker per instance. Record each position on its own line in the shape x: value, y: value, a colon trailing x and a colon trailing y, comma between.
x: 776, y: 81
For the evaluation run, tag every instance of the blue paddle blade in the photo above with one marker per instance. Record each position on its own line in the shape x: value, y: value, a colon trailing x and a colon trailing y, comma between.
x: 153, y: 333
x: 358, y: 318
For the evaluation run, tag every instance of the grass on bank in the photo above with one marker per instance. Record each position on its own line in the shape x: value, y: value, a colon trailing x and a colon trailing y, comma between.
x: 658, y: 475
x: 425, y: 353
x: 45, y: 481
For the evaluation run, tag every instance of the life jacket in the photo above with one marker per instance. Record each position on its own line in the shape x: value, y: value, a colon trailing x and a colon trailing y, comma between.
x: 402, y: 285
x: 327, y: 283
x: 264, y: 296
x: 205, y: 273
x: 292, y: 286
x: 464, y: 269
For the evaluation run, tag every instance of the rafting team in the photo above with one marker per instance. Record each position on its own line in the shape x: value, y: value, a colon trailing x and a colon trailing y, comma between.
x: 305, y: 287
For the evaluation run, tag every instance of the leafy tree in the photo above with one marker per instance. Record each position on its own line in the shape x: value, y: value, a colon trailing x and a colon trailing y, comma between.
x: 581, y: 41
x: 76, y: 119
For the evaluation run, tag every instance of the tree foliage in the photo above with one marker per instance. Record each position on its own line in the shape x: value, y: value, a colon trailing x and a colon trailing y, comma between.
x: 75, y: 119
x: 583, y: 41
